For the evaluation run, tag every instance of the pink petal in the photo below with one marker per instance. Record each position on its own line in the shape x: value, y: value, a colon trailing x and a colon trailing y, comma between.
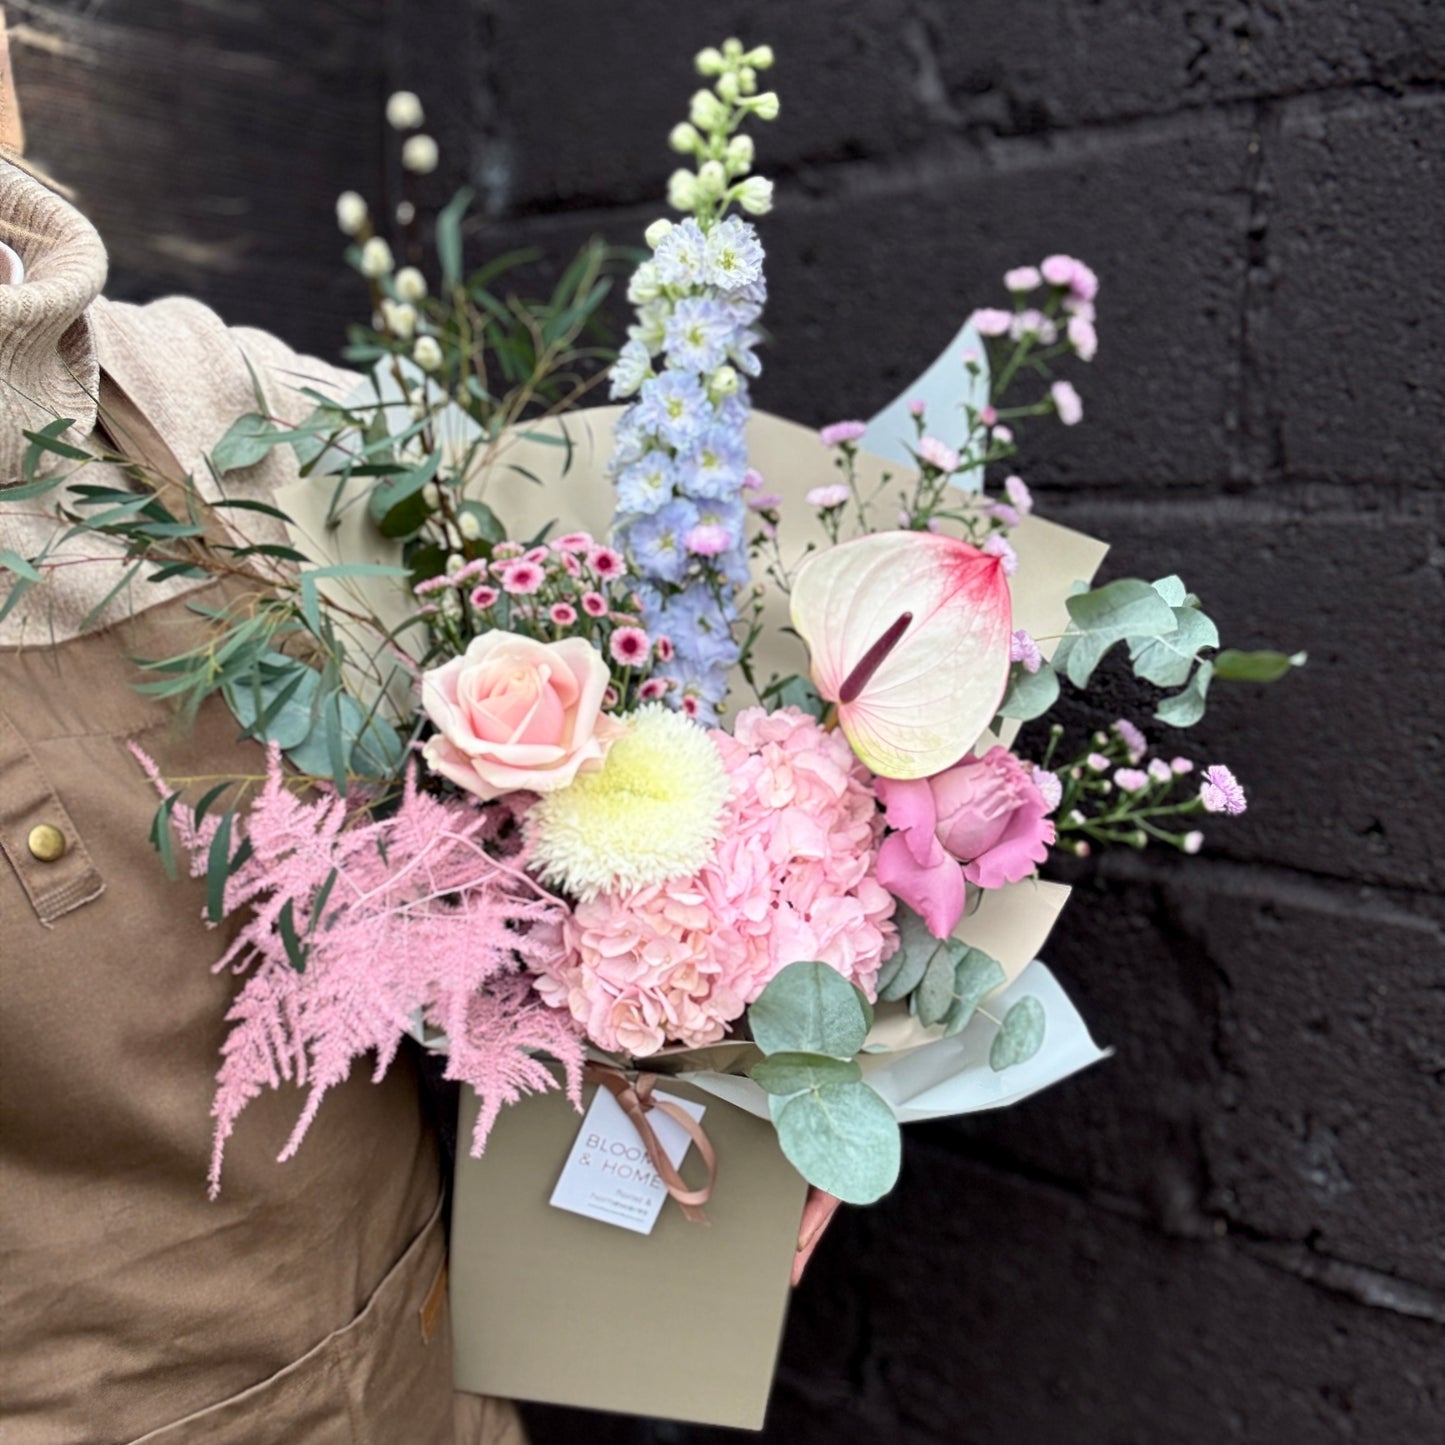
x: 908, y: 805
x: 936, y: 894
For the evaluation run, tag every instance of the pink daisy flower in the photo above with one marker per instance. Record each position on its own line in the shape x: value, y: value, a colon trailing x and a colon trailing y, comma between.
x: 571, y: 564
x: 611, y: 697
x: 484, y: 597
x: 564, y: 614
x: 522, y: 578
x: 653, y: 689
x: 504, y: 551
x: 594, y: 604
x: 938, y: 454
x: 607, y: 563
x: 841, y: 431
x: 574, y: 542
x: 1220, y: 791
x: 664, y: 648
x: 833, y: 495
x: 630, y: 646
x: 689, y: 706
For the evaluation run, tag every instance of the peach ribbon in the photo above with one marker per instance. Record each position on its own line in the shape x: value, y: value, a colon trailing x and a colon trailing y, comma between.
x: 637, y: 1101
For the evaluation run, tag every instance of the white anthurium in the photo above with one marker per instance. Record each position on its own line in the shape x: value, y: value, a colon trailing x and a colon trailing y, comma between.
x: 909, y: 638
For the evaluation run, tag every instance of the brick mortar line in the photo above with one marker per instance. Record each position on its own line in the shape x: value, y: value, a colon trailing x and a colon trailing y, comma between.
x: 1320, y: 892
x: 1361, y: 1283
x: 1282, y: 498
x: 955, y: 156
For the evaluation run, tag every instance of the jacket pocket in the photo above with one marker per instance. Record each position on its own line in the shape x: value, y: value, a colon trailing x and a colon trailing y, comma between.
x: 38, y: 836
x: 382, y: 1379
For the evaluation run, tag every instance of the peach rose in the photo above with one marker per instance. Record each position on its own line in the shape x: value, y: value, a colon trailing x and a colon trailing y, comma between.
x: 517, y: 715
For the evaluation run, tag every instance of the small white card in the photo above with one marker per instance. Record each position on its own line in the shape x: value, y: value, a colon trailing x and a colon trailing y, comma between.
x: 608, y: 1175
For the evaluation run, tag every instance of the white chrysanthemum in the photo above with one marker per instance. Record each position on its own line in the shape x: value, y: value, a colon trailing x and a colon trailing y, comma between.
x: 651, y: 812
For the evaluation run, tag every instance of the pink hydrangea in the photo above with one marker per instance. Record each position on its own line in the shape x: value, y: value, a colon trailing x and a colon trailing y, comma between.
x: 793, y: 878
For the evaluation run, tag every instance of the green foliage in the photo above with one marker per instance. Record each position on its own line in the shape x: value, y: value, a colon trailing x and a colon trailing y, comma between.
x: 796, y: 692
x: 1126, y: 610
x: 836, y: 1130
x: 842, y: 1138
x: 1233, y: 666
x: 943, y: 979
x: 1020, y: 1037
x: 810, y: 1008
x: 247, y: 441
x: 1186, y: 707
x: 793, y: 1073
x: 1167, y: 651
x: 1030, y: 694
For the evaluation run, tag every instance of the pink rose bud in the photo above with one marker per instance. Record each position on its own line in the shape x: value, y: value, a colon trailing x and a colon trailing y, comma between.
x: 984, y: 820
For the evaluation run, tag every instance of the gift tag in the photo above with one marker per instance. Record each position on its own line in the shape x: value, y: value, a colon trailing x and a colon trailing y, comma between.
x: 609, y: 1176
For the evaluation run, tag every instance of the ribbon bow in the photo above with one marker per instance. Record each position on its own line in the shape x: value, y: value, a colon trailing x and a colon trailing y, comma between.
x: 637, y: 1101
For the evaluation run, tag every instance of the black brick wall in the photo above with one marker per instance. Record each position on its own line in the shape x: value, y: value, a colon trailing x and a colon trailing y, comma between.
x: 1234, y: 1230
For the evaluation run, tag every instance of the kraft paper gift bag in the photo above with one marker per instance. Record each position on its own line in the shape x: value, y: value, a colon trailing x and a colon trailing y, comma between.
x: 683, y: 1323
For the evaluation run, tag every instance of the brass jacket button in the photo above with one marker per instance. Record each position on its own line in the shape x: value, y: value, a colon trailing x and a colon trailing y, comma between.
x: 47, y: 843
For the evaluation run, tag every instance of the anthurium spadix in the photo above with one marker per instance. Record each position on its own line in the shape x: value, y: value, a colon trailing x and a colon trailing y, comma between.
x: 909, y: 638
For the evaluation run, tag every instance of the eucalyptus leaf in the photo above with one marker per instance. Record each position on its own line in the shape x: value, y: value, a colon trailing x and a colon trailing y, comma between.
x: 1021, y: 1036
x: 1166, y: 661
x: 916, y: 947
x: 280, y: 696
x: 378, y: 751
x: 1232, y: 665
x: 449, y: 237
x: 976, y: 976
x: 492, y: 529
x: 248, y: 439
x: 1185, y: 708
x: 798, y: 692
x: 1172, y: 590
x: 296, y: 950
x: 1030, y: 694
x: 809, y: 1008
x: 934, y: 995
x: 1126, y: 608
x: 218, y: 868
x: 792, y: 1073
x: 13, y: 562
x: 843, y: 1139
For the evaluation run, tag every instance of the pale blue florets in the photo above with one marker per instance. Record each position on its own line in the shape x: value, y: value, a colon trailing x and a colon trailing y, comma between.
x: 679, y: 455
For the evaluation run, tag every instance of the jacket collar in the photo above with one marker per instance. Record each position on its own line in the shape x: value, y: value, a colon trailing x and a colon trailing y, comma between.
x: 48, y: 365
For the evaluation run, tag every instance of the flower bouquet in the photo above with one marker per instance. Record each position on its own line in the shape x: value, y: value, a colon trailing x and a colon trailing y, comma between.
x: 658, y: 758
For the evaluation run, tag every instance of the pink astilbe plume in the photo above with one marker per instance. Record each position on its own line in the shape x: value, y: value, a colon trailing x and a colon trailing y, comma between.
x: 419, y: 916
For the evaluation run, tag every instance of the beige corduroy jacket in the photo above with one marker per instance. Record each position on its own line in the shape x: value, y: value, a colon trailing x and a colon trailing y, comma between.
x: 307, y: 1306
